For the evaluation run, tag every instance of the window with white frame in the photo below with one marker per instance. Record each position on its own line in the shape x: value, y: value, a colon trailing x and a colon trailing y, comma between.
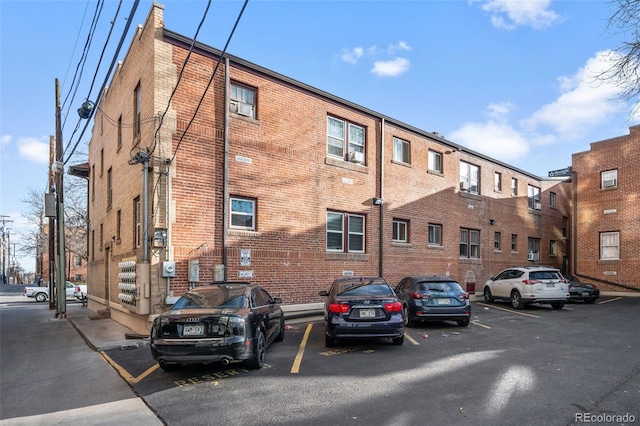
x: 243, y: 213
x: 552, y: 199
x: 469, y: 243
x: 553, y: 248
x: 345, y: 232
x: 497, y: 182
x: 400, y: 231
x: 242, y: 100
x: 435, y: 234
x: 435, y: 161
x: 469, y: 178
x: 533, y: 249
x: 609, y: 245
x: 401, y: 150
x: 496, y: 240
x: 77, y: 260
x: 514, y: 186
x: 514, y: 243
x: 609, y: 179
x: 533, y: 195
x: 345, y: 140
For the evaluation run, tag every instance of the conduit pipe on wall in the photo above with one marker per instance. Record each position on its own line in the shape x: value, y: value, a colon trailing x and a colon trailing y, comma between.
x: 381, y: 205
x: 225, y: 183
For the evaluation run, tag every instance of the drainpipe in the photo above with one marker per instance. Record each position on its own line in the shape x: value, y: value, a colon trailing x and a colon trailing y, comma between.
x: 168, y: 242
x: 145, y: 210
x: 225, y: 183
x: 381, y: 229
x: 574, y: 226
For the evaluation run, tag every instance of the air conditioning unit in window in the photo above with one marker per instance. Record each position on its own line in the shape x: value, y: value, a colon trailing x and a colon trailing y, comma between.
x: 245, y: 109
x: 464, y: 186
x: 356, y: 157
x: 609, y: 183
x: 532, y: 256
x: 537, y: 206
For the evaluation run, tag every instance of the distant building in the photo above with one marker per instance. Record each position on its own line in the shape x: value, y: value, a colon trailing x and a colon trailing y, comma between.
x: 606, y: 182
x: 270, y: 180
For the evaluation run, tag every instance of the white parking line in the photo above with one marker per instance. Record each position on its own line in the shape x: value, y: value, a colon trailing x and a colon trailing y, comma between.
x: 610, y: 300
x: 480, y: 325
x: 509, y: 310
x: 412, y: 340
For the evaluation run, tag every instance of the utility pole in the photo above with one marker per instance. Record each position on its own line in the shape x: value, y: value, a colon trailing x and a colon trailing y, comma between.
x: 4, y: 252
x: 61, y: 309
x: 52, y: 228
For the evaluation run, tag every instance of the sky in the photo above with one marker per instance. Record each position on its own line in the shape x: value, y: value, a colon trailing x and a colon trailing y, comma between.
x: 511, y: 79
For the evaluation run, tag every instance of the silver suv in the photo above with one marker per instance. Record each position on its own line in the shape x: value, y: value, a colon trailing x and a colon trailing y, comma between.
x: 522, y: 285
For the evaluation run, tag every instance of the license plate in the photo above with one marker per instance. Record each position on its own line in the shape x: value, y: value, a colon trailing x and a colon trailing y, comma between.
x: 585, y: 293
x: 551, y: 285
x: 367, y: 313
x: 193, y: 330
x: 444, y: 302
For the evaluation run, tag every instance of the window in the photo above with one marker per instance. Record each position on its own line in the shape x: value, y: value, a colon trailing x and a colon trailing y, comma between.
x: 345, y: 140
x: 496, y: 241
x: 514, y: 186
x: 609, y: 179
x: 400, y: 231
x: 401, y: 151
x: 609, y: 245
x: 552, y: 199
x: 109, y: 188
x: 552, y: 248
x: 565, y: 227
x: 118, y: 225
x: 243, y: 214
x: 101, y: 162
x: 534, y: 197
x: 243, y: 100
x: 93, y: 244
x: 497, y: 182
x: 345, y: 232
x: 137, y: 111
x: 101, y: 240
x: 93, y: 182
x: 119, y: 133
x: 469, y: 178
x: 435, y: 234
x: 77, y: 260
x: 435, y: 161
x: 533, y: 249
x: 137, y: 222
x: 469, y: 243
x: 514, y: 243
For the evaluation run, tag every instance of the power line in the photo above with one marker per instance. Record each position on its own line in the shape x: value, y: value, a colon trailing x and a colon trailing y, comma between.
x: 210, y: 80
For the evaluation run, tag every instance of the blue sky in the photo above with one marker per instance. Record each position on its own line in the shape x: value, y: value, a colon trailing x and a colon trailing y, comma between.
x: 510, y: 79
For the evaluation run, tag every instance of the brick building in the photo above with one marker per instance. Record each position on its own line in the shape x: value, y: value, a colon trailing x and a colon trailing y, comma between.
x: 270, y: 180
x: 606, y: 179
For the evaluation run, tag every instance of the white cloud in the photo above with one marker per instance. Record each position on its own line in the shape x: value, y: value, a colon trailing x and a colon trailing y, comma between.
x: 33, y: 150
x: 391, y: 68
x: 353, y: 55
x: 510, y: 14
x: 4, y: 140
x: 497, y: 140
x: 401, y: 45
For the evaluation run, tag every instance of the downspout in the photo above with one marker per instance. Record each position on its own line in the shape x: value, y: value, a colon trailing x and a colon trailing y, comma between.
x: 381, y: 229
x: 145, y: 210
x: 573, y: 239
x: 169, y: 252
x: 225, y: 183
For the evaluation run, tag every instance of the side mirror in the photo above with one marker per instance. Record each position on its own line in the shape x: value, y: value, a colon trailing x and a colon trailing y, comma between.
x: 277, y: 300
x: 324, y: 293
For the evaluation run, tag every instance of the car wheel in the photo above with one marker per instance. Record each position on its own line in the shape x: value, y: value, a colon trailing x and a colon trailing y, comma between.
x: 258, y: 355
x: 590, y: 300
x: 280, y: 336
x: 487, y: 295
x: 41, y: 297
x: 516, y: 300
x: 463, y: 322
x: 398, y: 340
x: 408, y: 322
x: 329, y: 342
x: 557, y: 305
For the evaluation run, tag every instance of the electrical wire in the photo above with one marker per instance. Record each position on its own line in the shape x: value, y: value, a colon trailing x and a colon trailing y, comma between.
x: 210, y: 80
x: 104, y: 84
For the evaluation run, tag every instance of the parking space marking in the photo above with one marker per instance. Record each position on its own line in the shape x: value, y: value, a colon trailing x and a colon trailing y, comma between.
x: 124, y: 373
x: 295, y: 368
x: 508, y: 310
x: 610, y: 300
x: 480, y: 325
x: 412, y: 340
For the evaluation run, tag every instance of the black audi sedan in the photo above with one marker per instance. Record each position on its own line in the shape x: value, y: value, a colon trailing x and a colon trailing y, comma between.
x: 223, y: 322
x: 433, y: 297
x: 579, y: 291
x: 362, y: 307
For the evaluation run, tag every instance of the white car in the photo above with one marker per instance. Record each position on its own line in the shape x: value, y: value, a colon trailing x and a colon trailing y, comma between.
x: 77, y: 291
x: 523, y: 285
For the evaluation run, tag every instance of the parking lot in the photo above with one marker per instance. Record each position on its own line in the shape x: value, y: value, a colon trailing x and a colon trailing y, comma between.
x: 532, y: 366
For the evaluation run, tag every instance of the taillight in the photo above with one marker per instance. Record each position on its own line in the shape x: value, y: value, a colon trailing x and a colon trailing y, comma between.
x: 531, y: 282
x: 595, y: 287
x: 25, y: 289
x: 393, y: 307
x: 338, y: 308
x: 420, y: 295
x: 464, y: 295
x: 78, y: 289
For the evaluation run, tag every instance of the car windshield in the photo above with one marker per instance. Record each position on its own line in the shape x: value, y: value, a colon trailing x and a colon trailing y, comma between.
x: 364, y: 289
x: 445, y: 286
x: 544, y: 275
x: 215, y: 297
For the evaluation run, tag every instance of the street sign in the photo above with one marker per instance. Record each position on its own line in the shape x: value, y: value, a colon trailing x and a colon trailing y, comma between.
x: 561, y: 172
